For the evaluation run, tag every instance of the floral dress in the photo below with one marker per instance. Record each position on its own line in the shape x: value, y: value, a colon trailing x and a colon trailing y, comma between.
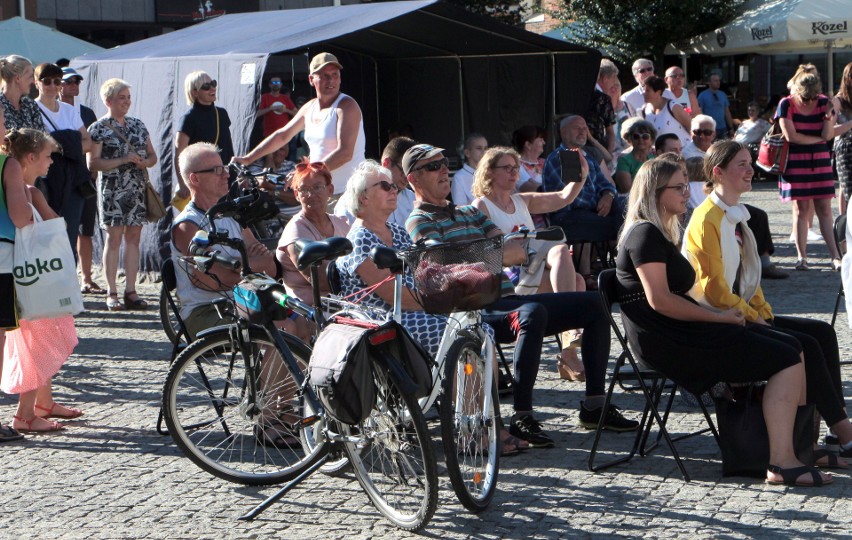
x: 28, y: 116
x: 121, y: 191
x: 425, y: 328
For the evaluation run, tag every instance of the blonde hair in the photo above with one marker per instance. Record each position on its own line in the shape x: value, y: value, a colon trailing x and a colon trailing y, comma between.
x: 192, y: 82
x: 483, y: 175
x: 20, y: 142
x: 802, y: 70
x: 111, y: 87
x: 807, y: 86
x: 643, y: 204
x: 13, y: 65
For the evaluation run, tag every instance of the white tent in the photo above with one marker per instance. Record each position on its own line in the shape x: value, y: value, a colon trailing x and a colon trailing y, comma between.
x: 779, y: 27
x: 40, y: 43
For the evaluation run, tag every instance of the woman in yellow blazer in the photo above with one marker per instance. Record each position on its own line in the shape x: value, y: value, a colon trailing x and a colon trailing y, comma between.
x: 723, y: 253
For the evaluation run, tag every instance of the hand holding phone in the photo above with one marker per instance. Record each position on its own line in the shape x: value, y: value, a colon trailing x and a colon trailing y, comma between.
x: 569, y: 161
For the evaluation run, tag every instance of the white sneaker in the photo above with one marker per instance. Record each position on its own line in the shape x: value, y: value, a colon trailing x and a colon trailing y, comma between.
x: 813, y: 236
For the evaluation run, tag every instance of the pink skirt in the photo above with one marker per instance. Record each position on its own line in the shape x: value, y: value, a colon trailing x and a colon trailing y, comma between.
x: 34, y: 353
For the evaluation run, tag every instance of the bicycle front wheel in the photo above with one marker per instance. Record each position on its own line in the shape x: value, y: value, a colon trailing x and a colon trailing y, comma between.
x: 470, y: 432
x: 214, y: 420
x: 392, y: 457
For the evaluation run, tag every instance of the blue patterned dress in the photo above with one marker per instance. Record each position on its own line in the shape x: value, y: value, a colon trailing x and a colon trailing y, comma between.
x: 425, y: 328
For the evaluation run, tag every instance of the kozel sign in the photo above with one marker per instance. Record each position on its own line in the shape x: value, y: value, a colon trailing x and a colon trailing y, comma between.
x: 826, y: 28
x: 759, y: 34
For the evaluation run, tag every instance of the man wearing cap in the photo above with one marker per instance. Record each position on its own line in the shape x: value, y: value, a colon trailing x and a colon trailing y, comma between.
x: 332, y: 122
x: 524, y: 320
x: 276, y: 108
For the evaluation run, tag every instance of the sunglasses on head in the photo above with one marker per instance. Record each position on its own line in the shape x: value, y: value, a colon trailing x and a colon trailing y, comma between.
x: 433, y: 166
x: 208, y: 85
x: 51, y: 82
x: 642, y: 136
x: 315, y: 165
x: 704, y: 132
x: 385, y: 186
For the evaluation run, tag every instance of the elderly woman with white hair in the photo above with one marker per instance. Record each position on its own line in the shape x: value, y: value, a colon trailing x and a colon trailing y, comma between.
x: 121, y: 151
x: 204, y: 122
x: 640, y: 135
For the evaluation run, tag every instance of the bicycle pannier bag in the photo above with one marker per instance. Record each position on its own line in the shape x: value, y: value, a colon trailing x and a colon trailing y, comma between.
x: 342, y: 372
x: 774, y: 150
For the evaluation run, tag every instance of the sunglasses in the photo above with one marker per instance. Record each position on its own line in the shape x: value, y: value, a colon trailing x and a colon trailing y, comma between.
x: 676, y: 75
x: 275, y: 83
x: 51, y: 82
x: 704, y: 132
x: 508, y: 168
x: 433, y: 166
x: 217, y: 170
x: 641, y: 136
x: 683, y: 188
x: 645, y: 70
x: 317, y: 189
x: 208, y: 85
x: 315, y: 165
x: 72, y: 81
x: 385, y: 186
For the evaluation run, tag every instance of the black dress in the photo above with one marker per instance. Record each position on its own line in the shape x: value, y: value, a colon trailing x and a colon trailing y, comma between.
x: 696, y: 355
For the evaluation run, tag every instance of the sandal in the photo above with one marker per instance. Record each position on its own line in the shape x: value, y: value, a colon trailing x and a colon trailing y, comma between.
x: 51, y: 426
x: 836, y: 264
x: 512, y: 446
x: 572, y: 339
x: 112, y: 303
x: 8, y: 434
x: 276, y: 436
x: 566, y: 372
x: 790, y: 477
x: 73, y: 413
x: 832, y: 461
x: 92, y: 288
x: 134, y: 303
x: 802, y: 264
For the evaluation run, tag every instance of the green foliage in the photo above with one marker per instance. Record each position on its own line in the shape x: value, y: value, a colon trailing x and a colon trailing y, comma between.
x: 628, y: 29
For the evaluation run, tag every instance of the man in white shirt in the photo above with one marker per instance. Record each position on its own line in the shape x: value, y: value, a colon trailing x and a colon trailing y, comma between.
x: 703, y: 129
x: 475, y: 146
x: 634, y: 98
x: 686, y: 97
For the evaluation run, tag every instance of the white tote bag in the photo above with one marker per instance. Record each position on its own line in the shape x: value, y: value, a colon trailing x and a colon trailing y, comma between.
x: 45, y: 271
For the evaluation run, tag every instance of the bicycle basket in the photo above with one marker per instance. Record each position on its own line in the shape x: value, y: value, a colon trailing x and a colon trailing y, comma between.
x: 461, y: 276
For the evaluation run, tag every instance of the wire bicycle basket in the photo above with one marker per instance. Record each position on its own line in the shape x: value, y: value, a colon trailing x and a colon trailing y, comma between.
x: 461, y: 276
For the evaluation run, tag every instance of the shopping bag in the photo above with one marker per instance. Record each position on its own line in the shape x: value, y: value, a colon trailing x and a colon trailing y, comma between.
x: 774, y: 150
x: 45, y: 271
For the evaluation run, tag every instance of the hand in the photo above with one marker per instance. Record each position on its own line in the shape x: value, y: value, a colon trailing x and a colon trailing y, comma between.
x: 257, y: 250
x: 732, y: 316
x: 242, y: 160
x: 761, y: 320
x: 134, y: 159
x: 605, y: 203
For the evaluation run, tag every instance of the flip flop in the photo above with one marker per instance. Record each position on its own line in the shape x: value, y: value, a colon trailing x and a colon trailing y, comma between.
x: 8, y: 434
x: 75, y: 413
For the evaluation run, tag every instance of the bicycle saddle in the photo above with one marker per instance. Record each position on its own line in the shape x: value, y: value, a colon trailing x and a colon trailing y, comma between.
x: 313, y: 253
x: 385, y: 258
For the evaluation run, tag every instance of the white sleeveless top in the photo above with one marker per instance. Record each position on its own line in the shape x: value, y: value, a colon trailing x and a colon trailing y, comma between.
x: 321, y: 136
x: 507, y: 222
x: 665, y: 122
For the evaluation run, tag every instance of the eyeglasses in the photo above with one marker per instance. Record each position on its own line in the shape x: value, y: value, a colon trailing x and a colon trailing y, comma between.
x: 385, y: 185
x: 433, y: 166
x: 316, y: 190
x: 682, y: 188
x: 508, y: 168
x: 645, y: 69
x: 51, y: 82
x: 72, y: 81
x: 208, y: 85
x: 217, y: 170
x: 640, y: 136
x: 703, y: 132
x: 676, y: 75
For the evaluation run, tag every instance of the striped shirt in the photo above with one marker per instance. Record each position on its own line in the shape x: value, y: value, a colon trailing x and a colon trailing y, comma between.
x: 809, y: 174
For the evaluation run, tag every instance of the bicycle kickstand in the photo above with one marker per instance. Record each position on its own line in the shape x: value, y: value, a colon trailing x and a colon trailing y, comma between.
x: 257, y: 510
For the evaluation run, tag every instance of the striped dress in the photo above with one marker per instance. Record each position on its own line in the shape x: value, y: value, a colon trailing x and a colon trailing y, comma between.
x: 809, y: 174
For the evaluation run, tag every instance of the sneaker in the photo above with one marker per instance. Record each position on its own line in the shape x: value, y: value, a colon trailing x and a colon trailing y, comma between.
x: 613, y: 421
x: 831, y: 443
x: 773, y: 272
x: 528, y: 428
x: 813, y: 236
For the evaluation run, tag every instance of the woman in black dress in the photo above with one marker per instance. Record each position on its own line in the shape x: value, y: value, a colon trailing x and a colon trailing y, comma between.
x: 690, y: 344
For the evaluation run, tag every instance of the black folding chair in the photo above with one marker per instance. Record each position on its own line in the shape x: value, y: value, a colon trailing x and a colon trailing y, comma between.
x: 839, y: 240
x: 652, y: 384
x: 182, y: 337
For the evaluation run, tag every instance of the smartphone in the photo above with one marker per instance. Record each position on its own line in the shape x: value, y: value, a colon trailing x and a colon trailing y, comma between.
x: 570, y: 163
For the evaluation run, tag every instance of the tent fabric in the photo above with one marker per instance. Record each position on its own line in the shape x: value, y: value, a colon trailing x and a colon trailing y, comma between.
x: 435, y: 66
x: 40, y: 43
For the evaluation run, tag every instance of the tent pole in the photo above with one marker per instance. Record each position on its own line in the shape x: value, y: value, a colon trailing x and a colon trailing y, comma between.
x: 552, y: 127
x: 461, y: 100
x: 829, y: 45
x: 378, y: 116
x: 683, y: 67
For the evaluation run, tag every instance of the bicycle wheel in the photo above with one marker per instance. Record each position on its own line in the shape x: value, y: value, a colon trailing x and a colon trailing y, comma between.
x: 393, y: 459
x: 206, y: 407
x: 338, y: 462
x: 167, y: 318
x: 471, y: 438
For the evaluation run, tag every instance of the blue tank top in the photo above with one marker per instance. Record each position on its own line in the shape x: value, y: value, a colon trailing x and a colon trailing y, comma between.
x: 7, y: 228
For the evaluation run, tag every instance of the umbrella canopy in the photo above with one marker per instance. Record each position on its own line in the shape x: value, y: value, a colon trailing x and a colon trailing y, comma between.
x: 40, y: 43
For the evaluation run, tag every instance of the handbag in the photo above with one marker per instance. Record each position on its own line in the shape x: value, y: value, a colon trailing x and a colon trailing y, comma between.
x: 774, y: 151
x: 87, y: 189
x: 743, y: 438
x: 45, y: 271
x: 154, y: 207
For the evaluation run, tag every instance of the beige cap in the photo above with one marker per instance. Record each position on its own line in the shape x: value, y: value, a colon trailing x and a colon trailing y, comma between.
x: 323, y: 59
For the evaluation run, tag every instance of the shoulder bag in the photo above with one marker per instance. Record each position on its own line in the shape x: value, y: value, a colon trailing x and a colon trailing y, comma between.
x: 774, y: 149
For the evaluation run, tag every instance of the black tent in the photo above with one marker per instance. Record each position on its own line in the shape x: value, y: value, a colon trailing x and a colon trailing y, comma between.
x: 433, y: 65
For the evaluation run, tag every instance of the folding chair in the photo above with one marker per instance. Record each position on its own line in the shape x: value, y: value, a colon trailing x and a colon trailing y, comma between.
x: 182, y: 337
x: 652, y: 384
x: 839, y: 240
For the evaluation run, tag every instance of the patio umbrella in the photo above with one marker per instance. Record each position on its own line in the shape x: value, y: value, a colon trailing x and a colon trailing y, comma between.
x: 39, y: 43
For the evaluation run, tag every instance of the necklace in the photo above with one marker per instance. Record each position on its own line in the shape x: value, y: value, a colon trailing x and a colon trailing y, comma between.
x: 508, y: 206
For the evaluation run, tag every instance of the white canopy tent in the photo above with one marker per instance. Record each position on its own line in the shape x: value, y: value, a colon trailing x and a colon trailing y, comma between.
x: 779, y: 27
x: 40, y: 43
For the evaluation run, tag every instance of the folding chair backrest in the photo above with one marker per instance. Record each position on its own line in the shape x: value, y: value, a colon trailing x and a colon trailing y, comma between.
x: 169, y: 277
x: 332, y: 274
x: 167, y: 273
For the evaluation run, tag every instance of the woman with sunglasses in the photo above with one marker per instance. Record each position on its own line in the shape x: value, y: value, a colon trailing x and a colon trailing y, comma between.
x: 666, y: 115
x: 121, y: 151
x: 203, y: 122
x: 19, y: 110
x: 640, y: 136
x: 724, y: 254
x: 312, y: 186
x: 693, y: 345
x: 68, y: 170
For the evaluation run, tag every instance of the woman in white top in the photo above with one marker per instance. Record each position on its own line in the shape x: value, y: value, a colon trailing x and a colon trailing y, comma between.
x: 664, y: 114
x: 332, y: 122
x: 528, y: 141
x: 494, y: 186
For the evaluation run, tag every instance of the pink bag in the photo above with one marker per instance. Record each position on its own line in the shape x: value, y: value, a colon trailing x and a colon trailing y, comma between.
x: 35, y: 352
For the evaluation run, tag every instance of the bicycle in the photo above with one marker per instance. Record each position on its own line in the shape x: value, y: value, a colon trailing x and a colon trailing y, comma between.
x: 235, y: 384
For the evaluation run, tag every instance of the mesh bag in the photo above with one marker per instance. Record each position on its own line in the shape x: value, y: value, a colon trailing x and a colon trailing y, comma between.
x: 461, y: 276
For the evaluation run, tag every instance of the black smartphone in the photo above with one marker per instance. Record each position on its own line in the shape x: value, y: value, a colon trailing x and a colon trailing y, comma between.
x: 570, y: 163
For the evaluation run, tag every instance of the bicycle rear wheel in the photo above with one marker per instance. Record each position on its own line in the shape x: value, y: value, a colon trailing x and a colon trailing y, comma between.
x: 394, y: 460
x: 207, y: 408
x: 167, y: 318
x: 471, y: 438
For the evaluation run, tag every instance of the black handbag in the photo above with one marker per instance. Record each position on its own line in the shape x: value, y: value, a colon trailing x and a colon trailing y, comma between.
x: 87, y: 189
x: 743, y: 438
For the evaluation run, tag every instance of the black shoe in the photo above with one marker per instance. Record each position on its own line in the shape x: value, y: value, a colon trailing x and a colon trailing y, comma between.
x: 613, y: 420
x: 527, y: 428
x: 505, y: 385
x: 773, y: 272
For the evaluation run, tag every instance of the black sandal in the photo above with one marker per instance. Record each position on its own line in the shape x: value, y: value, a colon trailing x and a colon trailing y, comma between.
x: 833, y: 460
x: 137, y: 304
x: 790, y: 477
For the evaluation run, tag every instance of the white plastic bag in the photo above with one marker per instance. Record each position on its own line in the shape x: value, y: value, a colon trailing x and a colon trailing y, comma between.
x: 45, y: 271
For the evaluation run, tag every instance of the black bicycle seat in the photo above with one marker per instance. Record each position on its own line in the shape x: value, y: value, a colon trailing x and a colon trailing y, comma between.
x: 386, y: 258
x: 313, y: 253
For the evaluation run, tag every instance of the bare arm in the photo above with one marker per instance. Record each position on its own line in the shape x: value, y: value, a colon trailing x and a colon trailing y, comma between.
x: 729, y: 119
x: 682, y: 116
x: 277, y: 139
x: 40, y: 203
x: 610, y: 137
x: 85, y: 139
x: 151, y: 159
x: 693, y: 103
x: 348, y: 125
x: 788, y: 128
x: 371, y: 275
x: 17, y: 195
x: 97, y: 163
x: 607, y: 156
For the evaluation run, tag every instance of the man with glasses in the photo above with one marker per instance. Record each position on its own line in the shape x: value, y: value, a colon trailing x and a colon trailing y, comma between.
x: 703, y: 129
x: 714, y: 102
x: 685, y: 97
x: 207, y: 179
x: 635, y: 97
x: 276, y: 107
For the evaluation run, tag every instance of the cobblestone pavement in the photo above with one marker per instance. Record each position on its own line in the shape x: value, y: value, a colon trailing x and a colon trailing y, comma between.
x: 109, y: 475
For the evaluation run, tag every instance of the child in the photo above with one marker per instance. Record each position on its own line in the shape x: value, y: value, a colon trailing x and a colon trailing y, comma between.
x: 35, y: 352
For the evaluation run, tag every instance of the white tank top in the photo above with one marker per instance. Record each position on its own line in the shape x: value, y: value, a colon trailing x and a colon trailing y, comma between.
x: 321, y: 136
x: 665, y: 122
x: 507, y: 222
